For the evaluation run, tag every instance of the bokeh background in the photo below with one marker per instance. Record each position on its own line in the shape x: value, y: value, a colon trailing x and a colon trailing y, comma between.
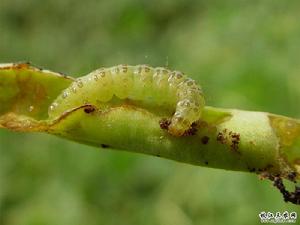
x: 244, y: 53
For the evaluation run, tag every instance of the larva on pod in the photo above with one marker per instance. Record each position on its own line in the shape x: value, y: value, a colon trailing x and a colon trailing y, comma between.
x: 142, y: 88
x: 142, y: 83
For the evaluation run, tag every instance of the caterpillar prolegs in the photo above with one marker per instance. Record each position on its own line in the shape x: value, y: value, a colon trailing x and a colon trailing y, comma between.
x: 141, y: 83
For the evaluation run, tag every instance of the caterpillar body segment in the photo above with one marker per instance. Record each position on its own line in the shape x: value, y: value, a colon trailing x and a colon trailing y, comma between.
x: 156, y: 86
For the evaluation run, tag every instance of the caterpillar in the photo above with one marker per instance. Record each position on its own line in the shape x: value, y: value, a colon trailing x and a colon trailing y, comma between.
x: 140, y: 83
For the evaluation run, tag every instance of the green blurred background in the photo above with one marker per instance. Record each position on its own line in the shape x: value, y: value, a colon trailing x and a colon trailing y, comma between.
x: 244, y: 53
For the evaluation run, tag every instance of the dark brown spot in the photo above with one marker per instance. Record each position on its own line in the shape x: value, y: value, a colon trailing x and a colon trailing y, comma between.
x: 206, y: 162
x: 104, y: 146
x: 221, y: 138
x: 89, y: 109
x: 164, y: 123
x: 230, y: 138
x: 235, y: 140
x: 191, y: 131
x: 205, y: 140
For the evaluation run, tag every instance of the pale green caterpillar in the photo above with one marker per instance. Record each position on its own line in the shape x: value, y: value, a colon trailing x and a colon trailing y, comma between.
x: 140, y: 83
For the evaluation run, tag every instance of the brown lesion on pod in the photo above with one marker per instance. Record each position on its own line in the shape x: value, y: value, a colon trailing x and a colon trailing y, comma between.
x: 230, y: 138
x: 192, y: 130
x: 221, y: 137
x: 235, y: 141
x: 89, y: 109
x: 165, y: 124
x: 205, y: 140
